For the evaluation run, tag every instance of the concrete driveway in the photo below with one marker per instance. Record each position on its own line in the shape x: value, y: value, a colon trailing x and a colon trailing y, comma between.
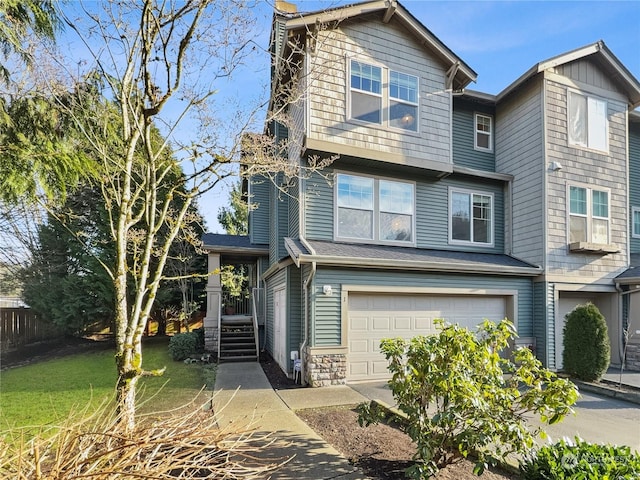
x: 597, y: 419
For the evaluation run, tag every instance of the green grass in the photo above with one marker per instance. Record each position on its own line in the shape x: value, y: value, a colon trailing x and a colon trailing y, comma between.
x: 45, y: 393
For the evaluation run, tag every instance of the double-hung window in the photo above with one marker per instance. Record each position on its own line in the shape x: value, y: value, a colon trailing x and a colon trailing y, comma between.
x: 366, y: 92
x: 635, y: 220
x: 470, y: 217
x: 375, y: 210
x: 588, y: 215
x: 483, y: 139
x: 587, y: 122
x: 382, y: 96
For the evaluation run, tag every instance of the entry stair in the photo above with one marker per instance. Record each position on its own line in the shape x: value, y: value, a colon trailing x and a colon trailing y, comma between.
x: 238, y: 339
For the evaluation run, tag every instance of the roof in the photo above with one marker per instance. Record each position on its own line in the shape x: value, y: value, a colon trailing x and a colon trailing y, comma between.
x: 632, y: 274
x: 387, y: 9
x: 616, y: 70
x: 223, y: 243
x: 405, y: 258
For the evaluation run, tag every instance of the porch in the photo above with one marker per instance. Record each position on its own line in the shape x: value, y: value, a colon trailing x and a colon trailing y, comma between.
x: 234, y: 316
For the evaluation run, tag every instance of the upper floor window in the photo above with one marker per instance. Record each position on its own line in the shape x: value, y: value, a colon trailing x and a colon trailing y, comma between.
x: 374, y: 209
x: 470, y: 217
x: 587, y: 122
x: 371, y: 95
x: 588, y: 215
x: 483, y: 132
x: 635, y: 213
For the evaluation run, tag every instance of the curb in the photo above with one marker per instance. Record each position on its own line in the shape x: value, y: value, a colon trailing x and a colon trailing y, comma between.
x: 608, y: 390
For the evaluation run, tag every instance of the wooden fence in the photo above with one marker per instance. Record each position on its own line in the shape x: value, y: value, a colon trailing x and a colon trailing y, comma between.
x: 19, y: 326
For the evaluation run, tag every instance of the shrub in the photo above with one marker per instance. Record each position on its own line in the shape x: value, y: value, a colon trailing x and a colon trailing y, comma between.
x: 564, y: 460
x: 182, y: 345
x: 586, y: 352
x: 458, y: 401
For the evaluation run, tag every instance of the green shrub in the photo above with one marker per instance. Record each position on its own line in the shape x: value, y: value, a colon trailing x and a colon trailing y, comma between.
x: 586, y: 352
x: 582, y: 460
x: 458, y: 401
x: 183, y: 345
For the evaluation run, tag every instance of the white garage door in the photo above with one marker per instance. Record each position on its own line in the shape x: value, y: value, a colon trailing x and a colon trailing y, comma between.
x: 373, y: 317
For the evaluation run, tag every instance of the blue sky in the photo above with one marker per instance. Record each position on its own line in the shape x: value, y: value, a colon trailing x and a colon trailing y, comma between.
x: 499, y: 40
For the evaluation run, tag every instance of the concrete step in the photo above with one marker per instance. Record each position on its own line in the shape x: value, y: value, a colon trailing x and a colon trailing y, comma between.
x: 238, y: 358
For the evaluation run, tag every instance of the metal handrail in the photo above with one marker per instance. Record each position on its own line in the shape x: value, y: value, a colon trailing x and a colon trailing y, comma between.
x: 219, y: 322
x: 254, y: 296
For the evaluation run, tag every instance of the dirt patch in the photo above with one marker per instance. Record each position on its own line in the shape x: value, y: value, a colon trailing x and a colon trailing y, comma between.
x: 381, y: 451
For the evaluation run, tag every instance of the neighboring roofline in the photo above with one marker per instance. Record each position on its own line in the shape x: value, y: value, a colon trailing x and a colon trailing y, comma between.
x: 626, y: 77
x: 395, y: 264
x: 478, y: 96
x: 390, y: 8
x: 240, y: 250
x: 634, y: 116
x: 505, y: 177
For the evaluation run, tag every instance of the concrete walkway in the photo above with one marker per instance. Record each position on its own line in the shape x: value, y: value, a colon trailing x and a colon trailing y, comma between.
x: 244, y: 397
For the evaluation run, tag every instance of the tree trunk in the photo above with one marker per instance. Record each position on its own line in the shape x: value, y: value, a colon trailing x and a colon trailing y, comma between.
x: 129, y: 371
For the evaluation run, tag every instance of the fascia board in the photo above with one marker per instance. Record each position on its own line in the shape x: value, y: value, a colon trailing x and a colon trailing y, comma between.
x: 449, y: 267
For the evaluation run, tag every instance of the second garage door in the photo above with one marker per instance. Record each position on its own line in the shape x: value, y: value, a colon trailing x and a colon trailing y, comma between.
x: 373, y: 317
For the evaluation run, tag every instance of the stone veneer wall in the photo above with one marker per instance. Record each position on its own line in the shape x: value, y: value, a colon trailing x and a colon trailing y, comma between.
x: 633, y: 357
x: 327, y: 369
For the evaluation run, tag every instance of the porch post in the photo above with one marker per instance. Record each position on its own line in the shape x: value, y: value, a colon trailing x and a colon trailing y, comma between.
x: 214, y: 298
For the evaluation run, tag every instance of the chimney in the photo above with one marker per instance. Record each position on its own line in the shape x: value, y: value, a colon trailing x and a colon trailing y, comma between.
x: 286, y: 7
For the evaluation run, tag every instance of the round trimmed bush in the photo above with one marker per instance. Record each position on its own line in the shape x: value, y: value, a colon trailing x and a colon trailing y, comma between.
x: 586, y: 352
x: 182, y: 345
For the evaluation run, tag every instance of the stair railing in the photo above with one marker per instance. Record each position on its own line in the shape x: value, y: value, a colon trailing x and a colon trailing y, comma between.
x: 255, y: 298
x: 219, y: 322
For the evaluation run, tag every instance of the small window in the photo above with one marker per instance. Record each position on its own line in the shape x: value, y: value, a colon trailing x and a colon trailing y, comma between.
x: 588, y: 215
x: 484, y: 132
x: 366, y: 92
x: 587, y: 122
x: 471, y: 217
x: 403, y: 101
x: 371, y: 209
x: 635, y: 213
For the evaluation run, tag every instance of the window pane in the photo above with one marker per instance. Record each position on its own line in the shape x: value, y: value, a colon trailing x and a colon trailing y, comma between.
x: 636, y: 222
x: 402, y: 115
x: 481, y: 218
x: 366, y: 107
x: 597, y: 124
x: 577, y: 122
x: 460, y: 216
x: 577, y: 229
x: 396, y: 197
x: 403, y: 87
x: 578, y: 200
x: 355, y: 192
x: 600, y: 231
x: 482, y: 140
x: 483, y: 124
x: 355, y: 223
x: 396, y: 227
x: 600, y: 204
x: 366, y: 77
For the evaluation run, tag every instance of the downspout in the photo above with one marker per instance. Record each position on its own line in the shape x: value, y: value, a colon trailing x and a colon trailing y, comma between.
x: 305, y: 337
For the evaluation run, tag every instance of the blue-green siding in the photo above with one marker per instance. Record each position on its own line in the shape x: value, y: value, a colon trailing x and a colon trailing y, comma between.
x: 544, y: 322
x: 327, y: 309
x: 259, y: 214
x: 634, y: 176
x: 464, y: 153
x: 278, y: 280
x: 432, y: 210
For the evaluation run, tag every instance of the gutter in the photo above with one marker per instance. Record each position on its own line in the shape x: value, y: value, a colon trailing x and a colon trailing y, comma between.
x: 412, y: 265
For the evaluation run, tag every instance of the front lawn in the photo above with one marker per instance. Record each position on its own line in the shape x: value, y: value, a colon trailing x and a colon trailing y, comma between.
x: 45, y: 393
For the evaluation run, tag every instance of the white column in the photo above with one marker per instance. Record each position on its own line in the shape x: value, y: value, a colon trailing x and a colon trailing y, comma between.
x: 214, y: 298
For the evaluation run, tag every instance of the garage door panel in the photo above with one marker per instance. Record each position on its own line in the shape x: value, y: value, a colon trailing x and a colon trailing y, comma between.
x: 373, y: 317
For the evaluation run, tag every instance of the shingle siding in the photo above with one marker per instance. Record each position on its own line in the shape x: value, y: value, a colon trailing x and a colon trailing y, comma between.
x: 634, y: 175
x: 388, y: 45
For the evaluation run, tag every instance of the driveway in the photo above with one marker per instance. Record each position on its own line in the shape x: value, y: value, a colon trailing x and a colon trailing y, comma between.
x: 597, y: 419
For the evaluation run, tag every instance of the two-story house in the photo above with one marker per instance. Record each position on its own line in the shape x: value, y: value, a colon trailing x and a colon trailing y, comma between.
x: 441, y: 202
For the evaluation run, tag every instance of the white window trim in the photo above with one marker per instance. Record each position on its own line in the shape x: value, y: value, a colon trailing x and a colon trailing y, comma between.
x: 492, y: 232
x: 386, y: 98
x: 586, y: 147
x: 589, y: 215
x: 475, y: 132
x: 634, y: 210
x: 376, y: 212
